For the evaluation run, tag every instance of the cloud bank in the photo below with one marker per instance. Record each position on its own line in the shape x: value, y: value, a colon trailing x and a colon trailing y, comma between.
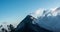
x: 50, y: 19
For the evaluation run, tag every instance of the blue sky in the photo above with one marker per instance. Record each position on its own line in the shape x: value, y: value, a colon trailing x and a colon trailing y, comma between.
x: 14, y: 11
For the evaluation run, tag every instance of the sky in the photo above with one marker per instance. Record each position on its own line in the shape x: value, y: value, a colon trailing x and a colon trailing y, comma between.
x: 14, y: 11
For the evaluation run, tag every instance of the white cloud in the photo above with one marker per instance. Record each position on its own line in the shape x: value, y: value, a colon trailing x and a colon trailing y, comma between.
x: 38, y: 13
x: 55, y: 11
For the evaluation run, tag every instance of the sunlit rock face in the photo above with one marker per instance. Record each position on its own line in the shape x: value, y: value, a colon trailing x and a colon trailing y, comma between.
x: 50, y: 21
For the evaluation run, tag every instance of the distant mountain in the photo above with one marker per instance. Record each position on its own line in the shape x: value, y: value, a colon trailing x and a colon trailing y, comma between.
x: 49, y: 21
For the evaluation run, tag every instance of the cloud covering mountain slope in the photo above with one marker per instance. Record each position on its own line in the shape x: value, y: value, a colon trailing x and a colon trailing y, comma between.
x: 50, y: 19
